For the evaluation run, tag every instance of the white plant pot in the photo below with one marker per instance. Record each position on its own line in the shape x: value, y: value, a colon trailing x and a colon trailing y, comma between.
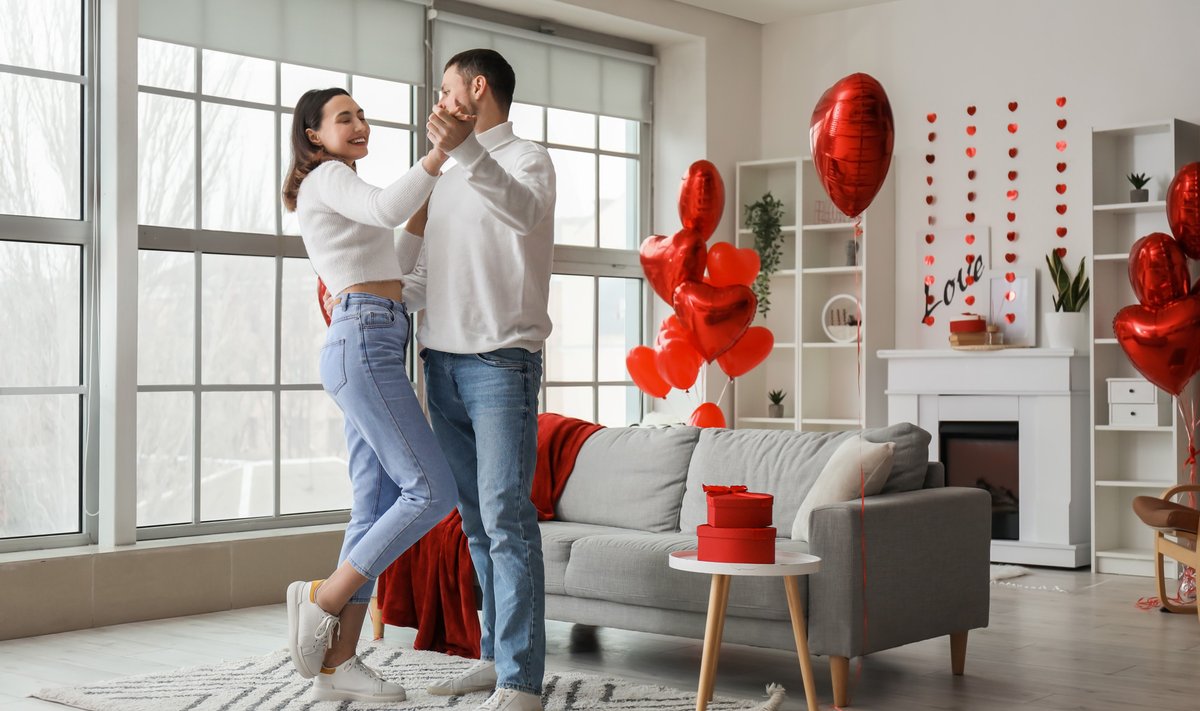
x: 1066, y: 330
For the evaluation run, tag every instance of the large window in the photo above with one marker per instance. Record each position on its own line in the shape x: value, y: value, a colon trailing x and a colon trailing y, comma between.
x: 44, y: 245
x: 232, y: 422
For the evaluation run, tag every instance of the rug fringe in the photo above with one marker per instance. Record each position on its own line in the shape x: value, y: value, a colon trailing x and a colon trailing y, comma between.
x: 776, y: 692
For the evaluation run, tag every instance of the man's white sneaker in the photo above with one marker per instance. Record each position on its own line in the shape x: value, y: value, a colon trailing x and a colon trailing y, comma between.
x: 511, y: 700
x: 480, y: 676
x: 355, y: 681
x: 310, y: 629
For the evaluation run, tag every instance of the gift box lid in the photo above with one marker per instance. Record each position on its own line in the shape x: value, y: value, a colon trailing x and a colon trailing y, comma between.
x: 968, y: 323
x: 766, y: 533
x: 736, y: 496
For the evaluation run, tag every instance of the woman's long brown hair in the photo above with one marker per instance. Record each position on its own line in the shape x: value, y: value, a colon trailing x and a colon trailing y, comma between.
x: 305, y: 155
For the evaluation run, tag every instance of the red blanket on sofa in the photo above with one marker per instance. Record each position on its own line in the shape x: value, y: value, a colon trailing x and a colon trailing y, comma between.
x: 432, y: 585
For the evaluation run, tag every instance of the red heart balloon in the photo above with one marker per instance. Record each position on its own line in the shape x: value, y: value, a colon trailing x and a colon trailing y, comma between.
x: 676, y: 357
x: 751, y: 349
x: 322, y: 292
x: 701, y: 199
x: 1183, y: 208
x: 851, y: 134
x: 1158, y: 270
x: 643, y: 369
x: 707, y: 415
x: 670, y: 261
x: 728, y: 265
x: 1162, y: 343
x: 716, y: 316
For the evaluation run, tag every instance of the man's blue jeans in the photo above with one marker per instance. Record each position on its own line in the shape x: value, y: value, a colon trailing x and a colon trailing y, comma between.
x: 483, y: 408
x: 401, y: 482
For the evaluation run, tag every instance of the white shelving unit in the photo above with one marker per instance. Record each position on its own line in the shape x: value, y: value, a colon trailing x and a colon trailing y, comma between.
x: 1128, y: 461
x: 825, y: 388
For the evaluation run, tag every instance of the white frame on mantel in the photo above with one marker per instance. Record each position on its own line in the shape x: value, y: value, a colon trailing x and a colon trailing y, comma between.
x: 1044, y: 390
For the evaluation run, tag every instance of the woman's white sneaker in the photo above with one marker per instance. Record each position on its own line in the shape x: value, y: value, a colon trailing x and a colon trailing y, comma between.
x: 511, y: 700
x: 355, y: 681
x: 480, y: 676
x: 310, y: 628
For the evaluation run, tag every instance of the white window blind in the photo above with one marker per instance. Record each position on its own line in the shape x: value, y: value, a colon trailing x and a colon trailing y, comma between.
x: 553, y: 71
x: 378, y: 38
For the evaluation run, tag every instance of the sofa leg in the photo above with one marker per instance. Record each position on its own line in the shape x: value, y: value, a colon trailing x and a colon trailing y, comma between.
x: 839, y: 670
x: 958, y: 652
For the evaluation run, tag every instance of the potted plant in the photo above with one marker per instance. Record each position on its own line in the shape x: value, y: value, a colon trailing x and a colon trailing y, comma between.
x: 1139, y: 192
x: 1066, y: 326
x: 775, y: 409
x: 764, y: 218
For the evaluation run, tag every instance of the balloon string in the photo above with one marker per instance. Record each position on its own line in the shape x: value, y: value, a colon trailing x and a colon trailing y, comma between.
x: 722, y: 395
x: 1189, y: 464
x: 862, y: 474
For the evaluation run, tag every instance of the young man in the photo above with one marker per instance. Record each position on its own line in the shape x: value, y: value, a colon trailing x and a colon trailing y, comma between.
x: 483, y: 279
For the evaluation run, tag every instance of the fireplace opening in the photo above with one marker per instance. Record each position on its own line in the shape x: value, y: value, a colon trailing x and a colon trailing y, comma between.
x: 985, y: 455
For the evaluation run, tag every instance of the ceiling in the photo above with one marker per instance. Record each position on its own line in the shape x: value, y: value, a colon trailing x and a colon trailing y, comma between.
x: 764, y: 11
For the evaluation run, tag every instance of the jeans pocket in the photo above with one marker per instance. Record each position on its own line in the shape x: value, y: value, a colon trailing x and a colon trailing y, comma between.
x: 333, y: 366
x: 377, y: 318
x: 496, y: 360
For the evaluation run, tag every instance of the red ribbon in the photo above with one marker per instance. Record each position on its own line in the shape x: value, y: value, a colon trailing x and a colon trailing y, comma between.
x: 722, y: 490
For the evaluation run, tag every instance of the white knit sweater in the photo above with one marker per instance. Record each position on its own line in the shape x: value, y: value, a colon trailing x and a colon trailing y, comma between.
x: 482, y: 272
x: 348, y: 225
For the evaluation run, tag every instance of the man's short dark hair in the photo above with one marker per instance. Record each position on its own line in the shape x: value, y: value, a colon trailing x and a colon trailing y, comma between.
x: 491, y: 65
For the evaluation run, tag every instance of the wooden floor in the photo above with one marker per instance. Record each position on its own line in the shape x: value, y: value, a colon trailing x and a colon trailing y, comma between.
x: 1063, y: 640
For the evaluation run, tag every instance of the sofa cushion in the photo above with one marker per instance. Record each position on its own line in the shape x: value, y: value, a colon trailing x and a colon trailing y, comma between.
x: 630, y: 477
x: 632, y: 568
x: 857, y: 468
x: 557, y: 539
x: 787, y: 464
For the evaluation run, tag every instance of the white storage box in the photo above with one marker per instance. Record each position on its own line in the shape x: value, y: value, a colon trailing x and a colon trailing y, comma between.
x: 1137, y: 402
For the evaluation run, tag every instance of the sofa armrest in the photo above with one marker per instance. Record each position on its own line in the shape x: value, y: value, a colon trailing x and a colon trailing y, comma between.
x: 926, y: 575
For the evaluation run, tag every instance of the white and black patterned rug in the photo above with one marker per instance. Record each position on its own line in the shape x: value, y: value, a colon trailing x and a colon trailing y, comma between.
x: 270, y: 683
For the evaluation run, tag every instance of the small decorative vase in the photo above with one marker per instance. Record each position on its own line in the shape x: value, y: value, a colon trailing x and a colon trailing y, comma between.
x: 775, y: 410
x: 1066, y: 330
x: 1142, y: 195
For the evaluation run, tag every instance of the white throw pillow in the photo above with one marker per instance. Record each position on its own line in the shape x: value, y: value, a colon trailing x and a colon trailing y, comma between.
x: 841, y: 479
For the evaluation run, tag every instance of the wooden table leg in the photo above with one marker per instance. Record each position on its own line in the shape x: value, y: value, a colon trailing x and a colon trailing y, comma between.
x: 715, y: 625
x: 796, y: 608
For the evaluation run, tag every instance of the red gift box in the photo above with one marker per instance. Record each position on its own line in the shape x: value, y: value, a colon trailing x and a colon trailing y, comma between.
x: 735, y: 507
x: 736, y: 545
x: 973, y: 323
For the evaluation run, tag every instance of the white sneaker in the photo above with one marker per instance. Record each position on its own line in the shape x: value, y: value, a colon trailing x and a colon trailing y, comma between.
x: 310, y: 629
x: 511, y: 700
x: 480, y: 676
x: 355, y: 681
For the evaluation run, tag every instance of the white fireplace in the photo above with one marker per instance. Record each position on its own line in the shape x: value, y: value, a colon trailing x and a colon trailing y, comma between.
x: 1043, y: 390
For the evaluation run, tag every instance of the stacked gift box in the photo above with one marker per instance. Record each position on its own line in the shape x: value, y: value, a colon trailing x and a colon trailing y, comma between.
x: 739, y: 526
x: 973, y: 330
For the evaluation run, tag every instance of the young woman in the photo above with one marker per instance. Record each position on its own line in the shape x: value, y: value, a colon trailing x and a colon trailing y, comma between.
x: 401, y: 482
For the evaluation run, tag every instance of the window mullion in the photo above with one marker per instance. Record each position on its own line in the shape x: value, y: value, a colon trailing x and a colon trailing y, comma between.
x: 277, y: 395
x: 197, y: 397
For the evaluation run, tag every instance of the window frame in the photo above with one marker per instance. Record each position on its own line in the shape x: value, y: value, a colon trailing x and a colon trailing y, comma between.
x: 80, y: 233
x: 278, y: 246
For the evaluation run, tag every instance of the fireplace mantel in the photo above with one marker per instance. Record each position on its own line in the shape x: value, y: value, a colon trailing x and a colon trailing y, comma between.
x: 1043, y: 390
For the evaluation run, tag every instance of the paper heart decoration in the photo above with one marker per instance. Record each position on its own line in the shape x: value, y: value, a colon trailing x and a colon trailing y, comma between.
x: 929, y: 239
x: 1012, y: 236
x: 728, y: 265
x: 1012, y: 128
x: 851, y: 134
x: 1061, y: 146
x: 1012, y: 216
x: 929, y: 180
x: 1061, y: 252
x: 970, y: 299
x: 971, y: 197
x: 970, y: 175
x: 1061, y: 167
x: 1012, y: 106
x: 1061, y: 101
x: 1162, y: 343
x: 970, y: 130
x: 971, y: 110
x: 670, y: 261
x: 1062, y: 123
x: 1061, y: 231
x: 1061, y: 209
x: 751, y: 349
x: 1012, y: 152
x: 970, y: 239
x: 1060, y: 188
x: 716, y: 316
x: 970, y: 151
x: 1010, y: 317
x: 929, y: 158
x: 1012, y: 194
x: 931, y: 117
x: 1010, y: 257
x: 701, y: 199
x: 932, y: 136
x: 1012, y: 175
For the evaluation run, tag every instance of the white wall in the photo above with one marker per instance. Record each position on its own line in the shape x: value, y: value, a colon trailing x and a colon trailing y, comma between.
x: 1116, y: 62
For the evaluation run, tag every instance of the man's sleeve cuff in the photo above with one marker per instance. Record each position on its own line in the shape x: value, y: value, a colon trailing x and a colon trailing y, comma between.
x: 467, y: 152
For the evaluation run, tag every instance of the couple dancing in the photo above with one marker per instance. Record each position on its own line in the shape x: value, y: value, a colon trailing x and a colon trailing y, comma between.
x: 476, y: 255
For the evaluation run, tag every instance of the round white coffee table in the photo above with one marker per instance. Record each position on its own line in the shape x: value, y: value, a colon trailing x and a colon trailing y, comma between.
x: 787, y: 565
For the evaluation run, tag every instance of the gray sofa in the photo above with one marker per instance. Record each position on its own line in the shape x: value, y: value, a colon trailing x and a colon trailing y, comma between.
x: 635, y: 495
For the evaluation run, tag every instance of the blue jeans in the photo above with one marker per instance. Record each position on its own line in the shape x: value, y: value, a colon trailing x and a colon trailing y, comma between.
x: 401, y: 482
x: 484, y: 411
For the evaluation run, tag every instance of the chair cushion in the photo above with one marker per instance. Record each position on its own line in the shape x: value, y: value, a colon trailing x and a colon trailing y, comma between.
x: 632, y: 568
x: 557, y: 539
x: 1160, y: 513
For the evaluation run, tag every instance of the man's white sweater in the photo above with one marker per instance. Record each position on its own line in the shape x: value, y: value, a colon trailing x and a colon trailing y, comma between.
x: 482, y: 271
